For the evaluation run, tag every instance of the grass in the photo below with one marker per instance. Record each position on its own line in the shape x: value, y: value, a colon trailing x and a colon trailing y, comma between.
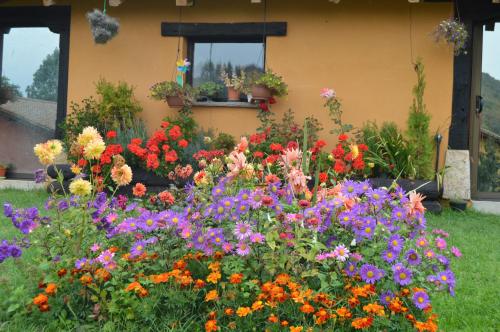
x: 476, y: 306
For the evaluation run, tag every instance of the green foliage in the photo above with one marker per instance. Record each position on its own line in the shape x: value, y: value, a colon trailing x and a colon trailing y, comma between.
x: 489, y: 166
x: 117, y: 105
x: 389, y: 151
x: 418, y: 136
x: 45, y: 79
x: 490, y: 90
x: 225, y: 142
x: 8, y: 91
x: 273, y: 82
x: 210, y: 89
x: 124, y: 136
x: 162, y: 90
x: 81, y: 115
x: 335, y: 112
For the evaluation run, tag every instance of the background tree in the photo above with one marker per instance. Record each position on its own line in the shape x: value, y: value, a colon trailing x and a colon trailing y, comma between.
x: 45, y: 79
x: 8, y: 91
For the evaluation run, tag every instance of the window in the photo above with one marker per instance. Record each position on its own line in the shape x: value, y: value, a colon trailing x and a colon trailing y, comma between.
x: 210, y: 58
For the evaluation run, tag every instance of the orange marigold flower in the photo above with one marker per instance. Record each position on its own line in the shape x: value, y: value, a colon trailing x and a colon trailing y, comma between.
x: 307, y: 308
x: 44, y: 307
x: 284, y: 323
x: 212, y: 296
x: 353, y: 301
x: 180, y: 264
x: 243, y: 311
x: 214, y: 266
x: 236, y: 278
x: 61, y: 273
x: 214, y: 277
x: 229, y: 311
x: 396, y: 305
x: 212, y: 315
x: 199, y: 283
x: 103, y: 274
x: 211, y: 325
x: 282, y: 279
x: 51, y: 289
x: 296, y: 328
x: 40, y: 299
x: 344, y: 313
x: 374, y: 308
x: 273, y: 318
x: 160, y: 278
x: 362, y: 323
x: 321, y: 316
x: 257, y: 305
x: 86, y: 280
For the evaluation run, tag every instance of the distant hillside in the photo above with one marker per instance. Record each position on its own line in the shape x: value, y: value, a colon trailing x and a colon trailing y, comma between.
x: 491, y: 112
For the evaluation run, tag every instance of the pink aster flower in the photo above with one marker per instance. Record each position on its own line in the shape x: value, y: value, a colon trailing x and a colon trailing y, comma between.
x: 327, y: 93
x: 341, y: 253
x: 456, y: 252
x: 95, y: 247
x: 441, y: 243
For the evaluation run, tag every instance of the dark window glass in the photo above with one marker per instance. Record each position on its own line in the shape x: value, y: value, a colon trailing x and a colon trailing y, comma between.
x: 210, y: 59
x: 28, y: 95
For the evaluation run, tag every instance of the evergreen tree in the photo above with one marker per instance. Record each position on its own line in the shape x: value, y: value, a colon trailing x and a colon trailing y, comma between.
x: 45, y: 79
x: 418, y: 134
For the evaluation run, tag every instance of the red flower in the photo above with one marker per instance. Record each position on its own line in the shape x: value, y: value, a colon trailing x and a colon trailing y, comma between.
x: 258, y: 154
x: 166, y: 197
x: 362, y: 147
x: 111, y: 134
x: 276, y: 147
x: 154, y: 149
x: 319, y: 144
x: 152, y: 161
x: 358, y: 163
x: 338, y: 152
x: 272, y: 100
x: 339, y: 167
x: 175, y: 132
x: 171, y: 156
x: 165, y: 124
x: 257, y: 138
x: 82, y: 162
x: 183, y: 143
x: 292, y: 145
x: 136, y: 141
x: 139, y: 190
x: 323, y: 177
x: 263, y: 106
x: 165, y: 147
x: 343, y: 137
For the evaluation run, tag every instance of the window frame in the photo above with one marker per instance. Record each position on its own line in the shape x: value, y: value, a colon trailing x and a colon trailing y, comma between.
x: 191, y: 41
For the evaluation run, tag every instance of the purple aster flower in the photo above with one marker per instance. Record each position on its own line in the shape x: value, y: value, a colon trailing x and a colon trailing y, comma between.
x: 242, y: 208
x: 402, y: 276
x: 244, y: 195
x: 429, y: 254
x: 106, y: 258
x: 398, y: 213
x: 345, y: 218
x: 400, y: 194
x: 386, y: 297
x: 137, y: 248
x: 80, y: 263
x: 421, y: 299
x: 227, y: 203
x: 351, y: 269
x: 351, y: 189
x: 446, y: 277
x: 243, y: 249
x: 377, y: 197
x: 15, y: 251
x: 111, y: 218
x: 219, y: 212
x: 341, y: 253
x: 242, y: 231
x: 62, y: 205
x: 256, y: 198
x: 216, y: 236
x: 443, y: 260
x: 441, y: 243
x: 395, y: 242
x: 390, y: 256
x: 257, y: 238
x: 370, y: 273
x: 131, y: 207
x: 422, y: 242
x: 40, y: 175
x: 128, y: 225
x: 218, y: 190
x: 412, y: 257
x: 274, y: 187
x: 199, y: 241
x: 365, y: 186
x: 148, y: 221
x: 456, y: 252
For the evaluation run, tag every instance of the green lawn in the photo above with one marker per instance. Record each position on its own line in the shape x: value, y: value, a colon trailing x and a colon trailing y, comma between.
x: 476, y: 306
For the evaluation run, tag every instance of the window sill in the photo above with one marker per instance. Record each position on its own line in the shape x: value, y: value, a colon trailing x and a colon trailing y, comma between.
x: 229, y: 104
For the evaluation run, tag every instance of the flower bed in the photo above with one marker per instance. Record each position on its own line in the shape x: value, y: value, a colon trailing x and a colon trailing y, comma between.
x: 244, y: 247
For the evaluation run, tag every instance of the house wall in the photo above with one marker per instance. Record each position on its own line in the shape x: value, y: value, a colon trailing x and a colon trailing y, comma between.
x: 361, y: 48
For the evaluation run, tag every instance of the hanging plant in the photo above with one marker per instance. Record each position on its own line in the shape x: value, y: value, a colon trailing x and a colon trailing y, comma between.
x: 453, y: 32
x: 103, y: 27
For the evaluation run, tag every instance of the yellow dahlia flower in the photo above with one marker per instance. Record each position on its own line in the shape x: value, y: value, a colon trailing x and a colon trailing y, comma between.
x: 94, y: 149
x: 80, y: 187
x: 88, y: 135
x: 121, y: 175
x: 44, y: 154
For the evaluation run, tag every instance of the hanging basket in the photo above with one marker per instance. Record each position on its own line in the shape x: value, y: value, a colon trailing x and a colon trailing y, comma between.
x: 175, y: 101
x: 261, y: 92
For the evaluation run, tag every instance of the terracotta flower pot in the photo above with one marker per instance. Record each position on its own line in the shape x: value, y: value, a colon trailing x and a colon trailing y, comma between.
x: 3, y: 170
x: 261, y: 92
x: 233, y: 94
x: 175, y: 101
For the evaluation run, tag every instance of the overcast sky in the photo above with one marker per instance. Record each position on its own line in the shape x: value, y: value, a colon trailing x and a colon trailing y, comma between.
x: 491, y: 52
x: 24, y: 50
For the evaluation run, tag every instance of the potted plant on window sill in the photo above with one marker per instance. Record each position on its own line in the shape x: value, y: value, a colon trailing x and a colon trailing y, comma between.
x: 210, y: 91
x: 234, y: 84
x: 174, y: 94
x: 269, y: 85
x: 3, y: 171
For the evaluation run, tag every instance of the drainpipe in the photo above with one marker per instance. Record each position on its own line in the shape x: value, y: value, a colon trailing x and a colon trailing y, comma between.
x: 438, y: 138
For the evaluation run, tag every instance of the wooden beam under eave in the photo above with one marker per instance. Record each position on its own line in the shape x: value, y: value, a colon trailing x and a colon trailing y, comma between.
x: 255, y: 1
x: 184, y: 3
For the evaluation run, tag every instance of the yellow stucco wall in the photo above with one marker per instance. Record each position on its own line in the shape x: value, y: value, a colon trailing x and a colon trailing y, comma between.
x: 360, y: 48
